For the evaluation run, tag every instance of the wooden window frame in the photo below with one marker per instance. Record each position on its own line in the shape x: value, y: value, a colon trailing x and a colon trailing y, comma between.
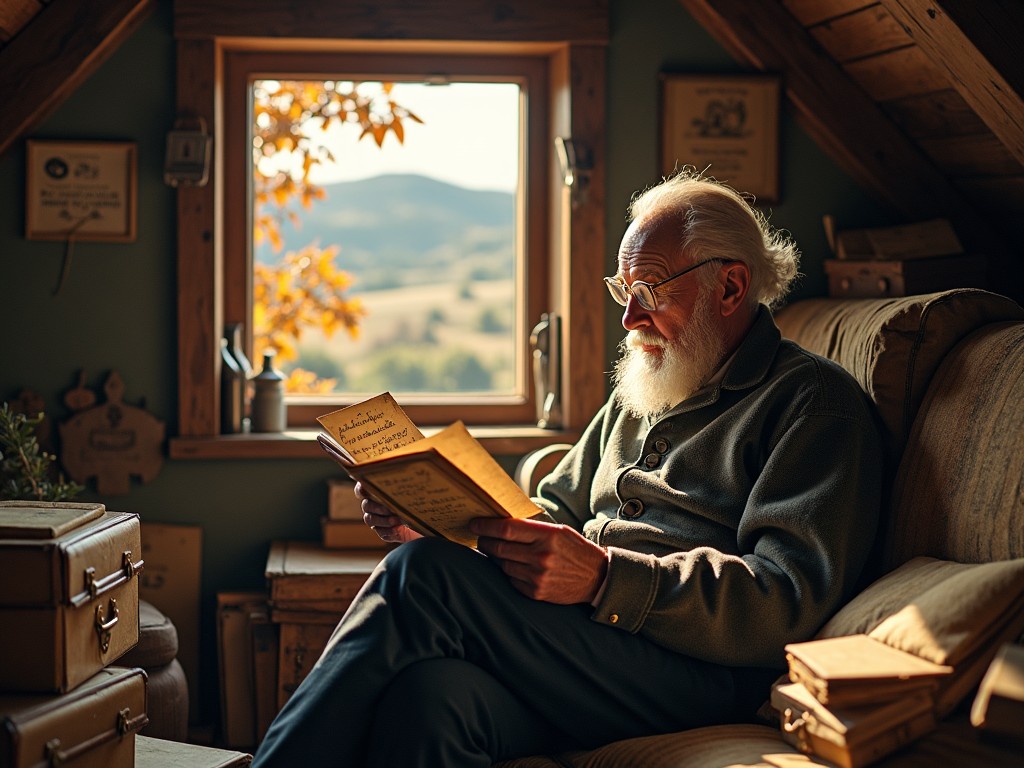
x: 242, y: 66
x: 575, y: 237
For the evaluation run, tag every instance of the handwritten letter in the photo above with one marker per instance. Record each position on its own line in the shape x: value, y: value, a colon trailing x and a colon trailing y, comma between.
x: 371, y: 428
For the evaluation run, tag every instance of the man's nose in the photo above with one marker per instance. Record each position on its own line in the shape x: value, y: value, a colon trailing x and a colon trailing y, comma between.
x: 635, y: 317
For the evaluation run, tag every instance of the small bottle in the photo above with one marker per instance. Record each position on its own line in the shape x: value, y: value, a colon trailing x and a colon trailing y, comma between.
x: 269, y: 413
x: 233, y: 333
x: 231, y: 387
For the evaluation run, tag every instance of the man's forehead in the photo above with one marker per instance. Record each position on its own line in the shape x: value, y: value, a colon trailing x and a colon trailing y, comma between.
x: 655, y: 239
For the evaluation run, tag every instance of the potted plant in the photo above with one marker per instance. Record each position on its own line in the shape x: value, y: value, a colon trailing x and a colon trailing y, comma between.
x: 26, y: 470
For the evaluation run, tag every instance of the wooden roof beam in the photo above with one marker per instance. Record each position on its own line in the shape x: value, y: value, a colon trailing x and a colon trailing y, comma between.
x: 834, y: 110
x: 54, y: 54
x: 978, y: 47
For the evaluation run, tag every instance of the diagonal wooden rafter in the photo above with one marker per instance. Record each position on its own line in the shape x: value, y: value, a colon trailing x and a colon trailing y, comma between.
x: 978, y: 47
x: 838, y: 114
x: 55, y: 52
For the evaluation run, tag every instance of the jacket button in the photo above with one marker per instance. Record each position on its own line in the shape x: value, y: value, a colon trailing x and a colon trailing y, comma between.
x: 632, y: 508
x: 652, y: 460
x: 613, y: 618
x: 661, y: 445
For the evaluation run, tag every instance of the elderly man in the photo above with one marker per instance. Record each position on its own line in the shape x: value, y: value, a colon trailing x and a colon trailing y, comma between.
x: 721, y: 504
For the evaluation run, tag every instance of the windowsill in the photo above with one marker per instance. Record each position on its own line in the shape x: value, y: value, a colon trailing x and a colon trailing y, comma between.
x: 302, y: 444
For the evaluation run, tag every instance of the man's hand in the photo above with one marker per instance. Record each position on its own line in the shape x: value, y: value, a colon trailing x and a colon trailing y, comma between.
x: 544, y: 561
x: 382, y: 520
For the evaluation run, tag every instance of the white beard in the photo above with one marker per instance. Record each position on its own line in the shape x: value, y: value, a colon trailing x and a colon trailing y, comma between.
x: 649, y: 384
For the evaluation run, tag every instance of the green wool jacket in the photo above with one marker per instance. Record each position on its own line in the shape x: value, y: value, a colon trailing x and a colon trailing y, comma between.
x: 738, y: 521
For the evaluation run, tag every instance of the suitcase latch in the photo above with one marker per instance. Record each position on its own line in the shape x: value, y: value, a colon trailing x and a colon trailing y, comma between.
x: 796, y: 725
x: 105, y: 626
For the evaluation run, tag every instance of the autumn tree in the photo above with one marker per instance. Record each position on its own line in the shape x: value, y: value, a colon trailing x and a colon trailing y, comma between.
x: 305, y: 289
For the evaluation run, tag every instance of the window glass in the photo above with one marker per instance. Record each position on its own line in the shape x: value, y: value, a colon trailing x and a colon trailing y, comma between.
x: 386, y: 247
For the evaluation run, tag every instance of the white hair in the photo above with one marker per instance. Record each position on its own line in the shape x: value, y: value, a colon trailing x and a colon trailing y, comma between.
x: 716, y: 221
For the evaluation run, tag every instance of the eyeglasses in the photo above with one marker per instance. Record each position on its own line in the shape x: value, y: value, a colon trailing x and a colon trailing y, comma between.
x: 644, y: 292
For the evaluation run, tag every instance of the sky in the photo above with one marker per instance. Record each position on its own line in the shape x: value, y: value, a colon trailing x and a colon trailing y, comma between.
x: 469, y: 137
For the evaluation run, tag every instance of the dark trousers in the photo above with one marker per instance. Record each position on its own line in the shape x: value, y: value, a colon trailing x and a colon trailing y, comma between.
x: 441, y: 662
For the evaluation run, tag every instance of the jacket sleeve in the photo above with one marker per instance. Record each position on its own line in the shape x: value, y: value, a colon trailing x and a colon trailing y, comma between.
x: 565, y: 494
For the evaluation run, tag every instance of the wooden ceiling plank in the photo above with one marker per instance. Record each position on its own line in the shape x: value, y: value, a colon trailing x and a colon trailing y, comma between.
x: 963, y: 156
x: 14, y: 15
x: 835, y: 111
x: 978, y: 44
x: 809, y: 12
x: 934, y: 114
x: 898, y: 74
x: 869, y: 31
x: 55, y: 53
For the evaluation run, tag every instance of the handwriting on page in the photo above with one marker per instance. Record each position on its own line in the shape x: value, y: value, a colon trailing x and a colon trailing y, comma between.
x: 428, y: 495
x: 371, y: 428
x: 372, y: 433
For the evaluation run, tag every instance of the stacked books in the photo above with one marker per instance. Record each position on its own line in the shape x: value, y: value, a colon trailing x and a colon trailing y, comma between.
x: 343, y: 526
x: 852, y: 700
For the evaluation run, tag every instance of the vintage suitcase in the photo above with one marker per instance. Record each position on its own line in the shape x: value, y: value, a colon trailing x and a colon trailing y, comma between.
x: 69, y: 599
x: 885, y: 278
x: 93, y: 725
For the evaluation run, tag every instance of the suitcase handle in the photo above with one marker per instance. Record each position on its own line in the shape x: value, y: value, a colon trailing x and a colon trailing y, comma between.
x: 104, y: 627
x: 94, y: 587
x: 126, y: 724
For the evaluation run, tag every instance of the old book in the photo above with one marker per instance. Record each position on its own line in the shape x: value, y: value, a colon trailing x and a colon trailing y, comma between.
x: 850, y: 736
x: 264, y: 668
x: 237, y: 699
x: 853, y: 669
x: 437, y: 484
x: 348, y: 534
x: 306, y: 576
x: 342, y: 503
x: 919, y: 240
x: 998, y: 707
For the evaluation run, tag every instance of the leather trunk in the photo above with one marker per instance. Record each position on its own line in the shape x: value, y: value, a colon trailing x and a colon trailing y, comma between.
x: 93, y: 725
x: 69, y: 599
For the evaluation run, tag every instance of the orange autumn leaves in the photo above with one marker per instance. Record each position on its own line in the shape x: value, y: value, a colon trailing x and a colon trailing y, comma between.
x: 305, y: 289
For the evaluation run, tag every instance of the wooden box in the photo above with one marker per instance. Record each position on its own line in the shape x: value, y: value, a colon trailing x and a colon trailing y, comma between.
x: 160, y: 753
x: 881, y: 279
x: 310, y: 589
x: 69, y: 599
x: 300, y: 647
x: 93, y: 725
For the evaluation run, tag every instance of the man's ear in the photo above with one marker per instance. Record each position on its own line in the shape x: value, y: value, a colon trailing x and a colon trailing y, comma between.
x: 735, y: 284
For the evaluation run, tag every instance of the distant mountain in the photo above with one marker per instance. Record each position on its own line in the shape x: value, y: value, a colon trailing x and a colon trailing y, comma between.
x: 403, y: 228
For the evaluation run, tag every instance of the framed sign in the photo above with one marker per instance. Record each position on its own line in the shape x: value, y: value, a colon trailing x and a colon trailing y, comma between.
x: 80, y: 190
x: 725, y: 126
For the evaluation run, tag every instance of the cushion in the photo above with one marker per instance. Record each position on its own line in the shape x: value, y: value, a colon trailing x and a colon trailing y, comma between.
x: 716, y: 746
x: 893, y: 346
x: 158, y: 640
x: 949, y: 613
x: 957, y: 491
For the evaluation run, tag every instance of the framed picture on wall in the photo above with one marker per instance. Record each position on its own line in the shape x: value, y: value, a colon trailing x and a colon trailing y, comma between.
x: 726, y: 126
x: 80, y: 190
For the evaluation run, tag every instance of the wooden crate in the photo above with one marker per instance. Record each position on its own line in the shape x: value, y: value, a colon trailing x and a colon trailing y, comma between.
x: 848, y: 278
x: 311, y: 587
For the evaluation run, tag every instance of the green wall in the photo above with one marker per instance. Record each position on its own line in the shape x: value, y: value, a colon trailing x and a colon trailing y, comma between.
x: 117, y: 309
